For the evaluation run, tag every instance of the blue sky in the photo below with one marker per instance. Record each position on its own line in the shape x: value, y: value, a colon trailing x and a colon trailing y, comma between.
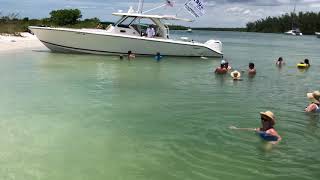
x: 219, y: 13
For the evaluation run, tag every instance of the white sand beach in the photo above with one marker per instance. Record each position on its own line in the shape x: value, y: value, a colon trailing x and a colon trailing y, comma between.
x: 26, y: 41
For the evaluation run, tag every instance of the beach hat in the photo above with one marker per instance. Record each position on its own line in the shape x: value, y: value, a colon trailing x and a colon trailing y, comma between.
x: 269, y: 115
x: 314, y: 96
x: 223, y: 61
x: 234, y: 74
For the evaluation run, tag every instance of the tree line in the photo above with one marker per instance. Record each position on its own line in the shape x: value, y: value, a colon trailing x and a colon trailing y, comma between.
x: 307, y: 22
x: 12, y: 22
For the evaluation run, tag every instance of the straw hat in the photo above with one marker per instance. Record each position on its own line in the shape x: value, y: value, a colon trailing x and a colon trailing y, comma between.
x: 314, y: 96
x: 269, y: 115
x: 235, y: 74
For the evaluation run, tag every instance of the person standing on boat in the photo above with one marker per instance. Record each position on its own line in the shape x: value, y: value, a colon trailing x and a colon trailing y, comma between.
x: 150, y: 32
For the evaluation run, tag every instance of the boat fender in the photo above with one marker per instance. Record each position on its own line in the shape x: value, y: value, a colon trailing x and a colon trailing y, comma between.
x: 267, y: 137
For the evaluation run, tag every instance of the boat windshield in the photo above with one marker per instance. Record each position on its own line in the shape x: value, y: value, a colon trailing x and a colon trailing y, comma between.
x: 141, y: 24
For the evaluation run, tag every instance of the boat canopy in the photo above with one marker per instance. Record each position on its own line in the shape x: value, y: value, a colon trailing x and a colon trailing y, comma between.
x: 166, y: 17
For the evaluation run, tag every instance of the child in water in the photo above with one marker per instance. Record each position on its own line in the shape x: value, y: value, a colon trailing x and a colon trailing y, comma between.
x: 314, y: 106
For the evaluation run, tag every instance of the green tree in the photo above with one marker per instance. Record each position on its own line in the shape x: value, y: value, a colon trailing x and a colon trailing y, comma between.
x: 65, y: 16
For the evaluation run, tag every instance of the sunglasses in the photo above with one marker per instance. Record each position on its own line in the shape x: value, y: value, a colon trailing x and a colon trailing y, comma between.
x: 264, y: 119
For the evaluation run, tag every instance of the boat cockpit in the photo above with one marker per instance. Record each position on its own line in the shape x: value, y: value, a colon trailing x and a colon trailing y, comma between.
x: 134, y: 25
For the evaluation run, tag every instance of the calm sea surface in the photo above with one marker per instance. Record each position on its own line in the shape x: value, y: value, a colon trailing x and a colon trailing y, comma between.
x: 81, y: 117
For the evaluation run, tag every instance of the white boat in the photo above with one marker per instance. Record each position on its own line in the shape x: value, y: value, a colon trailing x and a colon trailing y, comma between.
x: 294, y: 32
x: 127, y: 34
x: 189, y: 30
x: 317, y: 34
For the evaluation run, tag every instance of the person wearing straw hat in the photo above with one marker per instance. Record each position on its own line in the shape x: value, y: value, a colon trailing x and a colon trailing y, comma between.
x: 236, y: 75
x: 314, y: 106
x: 267, y: 131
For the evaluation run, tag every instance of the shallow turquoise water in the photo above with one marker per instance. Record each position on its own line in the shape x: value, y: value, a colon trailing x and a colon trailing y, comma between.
x: 96, y: 117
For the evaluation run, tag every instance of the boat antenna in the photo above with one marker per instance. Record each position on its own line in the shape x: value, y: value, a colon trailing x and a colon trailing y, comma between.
x: 140, y: 6
x: 293, y: 14
x: 167, y: 3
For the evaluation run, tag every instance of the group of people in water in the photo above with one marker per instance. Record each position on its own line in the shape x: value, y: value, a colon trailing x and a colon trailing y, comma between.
x: 224, y: 68
x: 267, y: 131
x: 131, y: 55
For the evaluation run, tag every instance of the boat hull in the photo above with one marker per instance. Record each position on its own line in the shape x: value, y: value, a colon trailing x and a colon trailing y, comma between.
x: 100, y: 42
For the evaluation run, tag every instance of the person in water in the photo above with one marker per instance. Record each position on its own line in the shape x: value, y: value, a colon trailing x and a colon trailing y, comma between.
x: 131, y: 55
x: 221, y: 69
x: 267, y: 131
x: 252, y: 70
x: 280, y: 62
x: 314, y: 106
x: 236, y: 75
x: 306, y: 61
x: 158, y: 57
x: 226, y: 65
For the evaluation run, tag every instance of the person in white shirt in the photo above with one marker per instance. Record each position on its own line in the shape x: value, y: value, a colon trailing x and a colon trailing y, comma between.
x: 150, y: 32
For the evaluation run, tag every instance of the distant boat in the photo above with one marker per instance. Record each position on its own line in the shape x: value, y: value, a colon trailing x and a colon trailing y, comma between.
x: 318, y: 34
x: 189, y: 30
x: 295, y: 31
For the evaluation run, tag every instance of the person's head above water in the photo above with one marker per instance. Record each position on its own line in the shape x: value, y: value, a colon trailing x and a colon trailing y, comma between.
x: 306, y: 61
x: 280, y: 59
x: 268, y: 119
x: 251, y: 65
x: 129, y: 52
x: 235, y: 75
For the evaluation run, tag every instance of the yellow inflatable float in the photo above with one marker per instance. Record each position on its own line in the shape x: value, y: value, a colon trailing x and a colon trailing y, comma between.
x: 302, y: 65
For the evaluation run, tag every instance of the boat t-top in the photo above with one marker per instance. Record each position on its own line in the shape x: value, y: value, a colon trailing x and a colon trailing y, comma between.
x: 129, y: 33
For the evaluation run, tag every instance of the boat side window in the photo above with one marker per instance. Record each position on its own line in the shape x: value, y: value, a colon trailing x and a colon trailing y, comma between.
x: 125, y: 22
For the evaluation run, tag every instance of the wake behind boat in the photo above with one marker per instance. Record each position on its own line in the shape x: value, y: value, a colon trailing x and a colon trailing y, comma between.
x: 129, y: 33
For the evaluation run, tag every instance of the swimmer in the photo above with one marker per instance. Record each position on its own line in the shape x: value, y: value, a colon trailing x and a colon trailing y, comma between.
x: 131, y: 55
x: 158, y: 57
x: 221, y: 70
x: 251, y: 70
x: 314, y: 106
x: 236, y: 75
x: 267, y: 131
x: 280, y: 62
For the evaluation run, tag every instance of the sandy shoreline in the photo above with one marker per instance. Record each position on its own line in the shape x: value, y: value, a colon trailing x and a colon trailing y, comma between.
x: 9, y: 43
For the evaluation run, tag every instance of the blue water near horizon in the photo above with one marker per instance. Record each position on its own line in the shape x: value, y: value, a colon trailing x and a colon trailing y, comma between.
x: 67, y: 116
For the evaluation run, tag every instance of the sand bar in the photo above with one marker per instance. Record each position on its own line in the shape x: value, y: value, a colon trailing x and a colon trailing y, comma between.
x: 26, y: 41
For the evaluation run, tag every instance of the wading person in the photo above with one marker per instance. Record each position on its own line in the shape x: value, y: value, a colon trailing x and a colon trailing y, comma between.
x: 314, y: 106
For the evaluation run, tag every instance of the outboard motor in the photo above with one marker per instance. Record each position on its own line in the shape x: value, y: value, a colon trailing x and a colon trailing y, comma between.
x: 215, y: 45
